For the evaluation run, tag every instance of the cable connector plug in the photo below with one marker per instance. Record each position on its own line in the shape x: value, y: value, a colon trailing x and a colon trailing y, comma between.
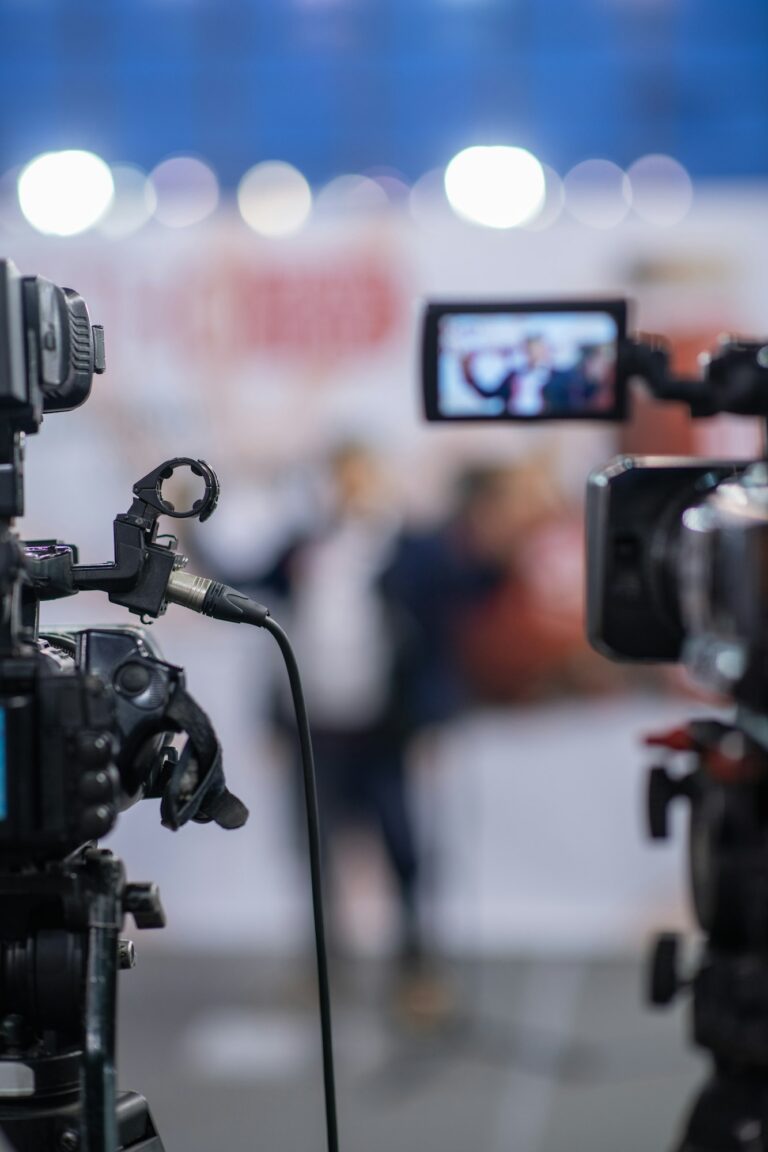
x: 212, y: 598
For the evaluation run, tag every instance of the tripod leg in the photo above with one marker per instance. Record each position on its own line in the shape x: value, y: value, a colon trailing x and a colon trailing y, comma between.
x: 730, y: 1115
x: 99, y: 1100
x: 135, y: 1124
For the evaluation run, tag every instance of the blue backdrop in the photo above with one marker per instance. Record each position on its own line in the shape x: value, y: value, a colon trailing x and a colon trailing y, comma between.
x: 346, y: 85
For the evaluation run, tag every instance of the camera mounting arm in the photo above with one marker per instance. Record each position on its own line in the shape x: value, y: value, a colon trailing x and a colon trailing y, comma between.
x: 138, y: 576
x: 734, y: 378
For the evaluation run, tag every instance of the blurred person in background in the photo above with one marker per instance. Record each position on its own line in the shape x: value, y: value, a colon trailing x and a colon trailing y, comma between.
x: 525, y: 639
x: 329, y: 575
x: 436, y: 576
x: 490, y: 602
x: 346, y: 648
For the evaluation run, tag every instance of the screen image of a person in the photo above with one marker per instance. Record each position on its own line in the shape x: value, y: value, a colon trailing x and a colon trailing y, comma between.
x: 492, y: 373
x: 586, y: 387
x: 526, y: 397
x: 526, y: 366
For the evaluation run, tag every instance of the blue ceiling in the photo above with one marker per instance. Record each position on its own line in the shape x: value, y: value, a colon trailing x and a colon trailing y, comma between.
x: 348, y: 85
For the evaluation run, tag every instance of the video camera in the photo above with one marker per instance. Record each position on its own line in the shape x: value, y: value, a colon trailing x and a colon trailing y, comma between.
x: 669, y: 541
x: 90, y: 722
x: 677, y: 570
x: 87, y: 720
x: 109, y: 703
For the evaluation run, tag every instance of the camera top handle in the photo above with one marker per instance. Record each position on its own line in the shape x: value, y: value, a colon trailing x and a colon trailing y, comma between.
x: 734, y: 380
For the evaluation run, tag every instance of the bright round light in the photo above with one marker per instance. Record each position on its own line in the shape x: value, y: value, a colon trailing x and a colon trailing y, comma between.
x: 274, y: 199
x: 498, y: 187
x: 186, y: 190
x: 598, y: 193
x: 661, y: 190
x: 133, y: 205
x: 63, y: 193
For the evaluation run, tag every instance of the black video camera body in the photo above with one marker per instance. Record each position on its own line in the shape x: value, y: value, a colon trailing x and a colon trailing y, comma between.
x: 678, y: 568
x: 87, y: 720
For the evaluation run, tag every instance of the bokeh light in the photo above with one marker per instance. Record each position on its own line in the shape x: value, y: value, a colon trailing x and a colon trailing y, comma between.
x: 354, y: 194
x: 554, y: 201
x: 393, y: 182
x: 498, y: 187
x: 186, y: 191
x: 12, y: 222
x: 598, y: 193
x: 133, y: 204
x: 274, y: 199
x: 64, y: 193
x: 427, y: 201
x: 662, y: 191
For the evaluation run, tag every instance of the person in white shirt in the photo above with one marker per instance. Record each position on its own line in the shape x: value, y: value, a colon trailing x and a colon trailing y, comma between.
x: 526, y: 398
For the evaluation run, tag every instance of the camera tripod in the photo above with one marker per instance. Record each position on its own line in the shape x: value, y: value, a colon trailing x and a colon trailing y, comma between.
x: 728, y: 856
x: 59, y: 957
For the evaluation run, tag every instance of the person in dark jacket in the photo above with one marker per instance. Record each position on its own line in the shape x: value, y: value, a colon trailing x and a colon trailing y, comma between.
x: 329, y: 577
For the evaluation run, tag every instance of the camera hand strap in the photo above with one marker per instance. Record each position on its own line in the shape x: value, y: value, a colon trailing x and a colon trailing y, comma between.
x: 193, y: 786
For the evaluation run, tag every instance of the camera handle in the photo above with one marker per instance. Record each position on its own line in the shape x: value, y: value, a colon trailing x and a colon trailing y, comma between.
x: 734, y: 380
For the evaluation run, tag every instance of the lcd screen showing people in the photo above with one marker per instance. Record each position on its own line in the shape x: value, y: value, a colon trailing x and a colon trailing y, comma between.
x: 524, y: 361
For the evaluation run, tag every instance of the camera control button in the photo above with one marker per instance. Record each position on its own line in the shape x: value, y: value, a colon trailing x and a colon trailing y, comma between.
x: 96, y: 822
x: 133, y: 679
x: 99, y: 787
x: 94, y: 748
